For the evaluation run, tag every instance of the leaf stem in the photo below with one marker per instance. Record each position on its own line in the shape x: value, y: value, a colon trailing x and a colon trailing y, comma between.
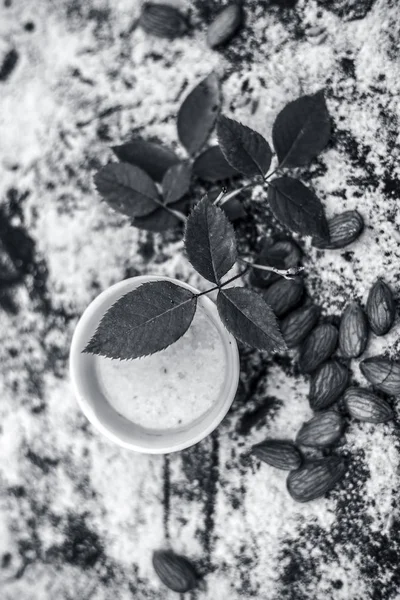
x: 226, y: 197
x: 176, y: 213
x: 286, y: 273
x: 234, y: 277
x: 272, y: 173
x: 220, y: 196
x: 223, y: 197
x: 221, y: 285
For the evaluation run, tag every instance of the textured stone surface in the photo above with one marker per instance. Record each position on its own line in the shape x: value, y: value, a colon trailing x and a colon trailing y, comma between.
x: 79, y: 517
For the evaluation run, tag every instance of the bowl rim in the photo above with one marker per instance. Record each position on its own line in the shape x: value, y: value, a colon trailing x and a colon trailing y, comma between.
x: 80, y: 333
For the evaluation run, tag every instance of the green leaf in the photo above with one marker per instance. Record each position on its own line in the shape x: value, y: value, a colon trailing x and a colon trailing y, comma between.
x: 144, y: 321
x: 244, y: 149
x: 127, y: 189
x: 176, y: 182
x: 197, y: 115
x: 301, y: 130
x: 161, y: 220
x: 210, y: 241
x: 297, y: 207
x: 212, y: 166
x: 249, y: 318
x: 152, y: 158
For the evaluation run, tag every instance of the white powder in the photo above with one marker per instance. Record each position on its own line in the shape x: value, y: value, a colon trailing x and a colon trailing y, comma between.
x: 87, y: 248
x: 171, y: 388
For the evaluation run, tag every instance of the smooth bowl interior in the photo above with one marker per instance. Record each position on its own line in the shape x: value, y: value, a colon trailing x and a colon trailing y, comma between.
x: 104, y: 417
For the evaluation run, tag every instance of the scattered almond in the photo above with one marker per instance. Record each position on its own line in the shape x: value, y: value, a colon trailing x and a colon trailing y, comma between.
x: 366, y: 406
x: 322, y: 430
x: 278, y: 453
x: 327, y: 384
x: 353, y: 331
x: 315, y: 478
x: 380, y: 308
x: 225, y: 25
x: 318, y: 347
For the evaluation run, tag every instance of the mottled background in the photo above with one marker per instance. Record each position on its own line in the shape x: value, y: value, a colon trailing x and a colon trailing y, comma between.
x: 80, y: 517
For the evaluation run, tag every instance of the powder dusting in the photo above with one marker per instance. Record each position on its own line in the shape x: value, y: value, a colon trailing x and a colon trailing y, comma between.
x: 80, y: 517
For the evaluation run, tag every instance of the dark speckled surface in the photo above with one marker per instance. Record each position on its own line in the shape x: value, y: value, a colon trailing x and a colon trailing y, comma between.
x: 79, y: 517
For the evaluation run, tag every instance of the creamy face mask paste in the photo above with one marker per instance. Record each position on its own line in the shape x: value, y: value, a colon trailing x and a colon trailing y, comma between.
x: 171, y: 388
x: 164, y: 402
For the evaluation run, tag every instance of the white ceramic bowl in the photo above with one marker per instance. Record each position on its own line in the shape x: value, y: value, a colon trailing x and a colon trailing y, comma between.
x: 101, y: 414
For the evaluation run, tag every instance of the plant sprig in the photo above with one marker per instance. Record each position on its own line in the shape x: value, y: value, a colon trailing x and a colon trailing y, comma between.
x: 156, y: 314
x: 151, y: 185
x: 300, y: 132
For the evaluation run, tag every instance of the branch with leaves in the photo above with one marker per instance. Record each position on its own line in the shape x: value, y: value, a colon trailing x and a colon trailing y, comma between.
x: 158, y: 313
x: 151, y: 186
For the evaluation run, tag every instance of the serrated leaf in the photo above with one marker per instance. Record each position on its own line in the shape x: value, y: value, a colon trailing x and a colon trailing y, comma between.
x: 249, y: 318
x: 152, y: 158
x: 301, y: 130
x: 211, y: 165
x: 297, y: 207
x: 197, y: 114
x: 245, y: 149
x: 127, y: 189
x: 210, y: 241
x: 161, y: 220
x: 176, y: 182
x: 144, y: 321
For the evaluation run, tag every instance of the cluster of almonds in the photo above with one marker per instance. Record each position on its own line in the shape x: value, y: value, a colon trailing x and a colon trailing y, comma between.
x: 166, y: 21
x: 312, y: 477
x: 309, y: 477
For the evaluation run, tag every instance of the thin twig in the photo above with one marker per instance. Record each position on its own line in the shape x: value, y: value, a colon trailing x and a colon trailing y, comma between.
x: 238, y: 191
x: 219, y: 198
x: 176, y: 213
x: 272, y: 173
x: 221, y: 285
x: 286, y: 273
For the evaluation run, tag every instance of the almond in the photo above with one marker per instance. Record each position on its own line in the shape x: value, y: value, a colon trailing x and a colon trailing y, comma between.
x: 284, y: 295
x: 225, y: 25
x: 322, y: 430
x: 327, y: 384
x: 318, y: 347
x: 343, y: 230
x: 364, y: 405
x: 162, y: 20
x: 278, y: 453
x: 315, y: 478
x: 353, y: 331
x: 175, y: 571
x: 384, y: 374
x: 283, y: 254
x: 298, y: 324
x: 380, y: 308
